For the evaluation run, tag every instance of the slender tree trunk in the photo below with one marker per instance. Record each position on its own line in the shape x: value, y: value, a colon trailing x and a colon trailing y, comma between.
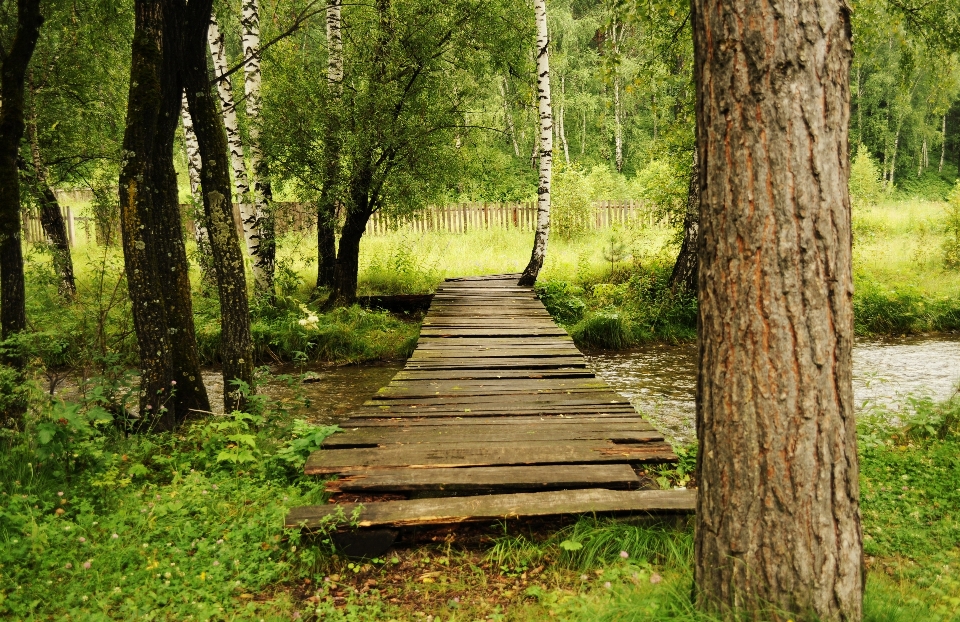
x: 778, y: 519
x: 264, y: 247
x: 943, y: 144
x: 923, y: 158
x: 583, y: 135
x: 563, y: 116
x: 13, y: 314
x: 529, y: 276
x: 893, y: 159
x: 347, y: 269
x: 51, y: 218
x: 154, y: 255
x: 201, y: 235
x: 684, y: 275
x: 228, y: 107
x: 508, y: 115
x: 236, y: 348
x: 327, y: 205
x: 615, y: 37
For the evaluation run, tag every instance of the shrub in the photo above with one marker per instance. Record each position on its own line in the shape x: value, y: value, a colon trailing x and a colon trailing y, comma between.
x: 570, y: 205
x: 865, y: 186
x: 951, y: 246
x: 602, y: 330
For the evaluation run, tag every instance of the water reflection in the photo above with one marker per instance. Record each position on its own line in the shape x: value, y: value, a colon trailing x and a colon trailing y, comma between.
x: 660, y: 379
x: 331, y: 391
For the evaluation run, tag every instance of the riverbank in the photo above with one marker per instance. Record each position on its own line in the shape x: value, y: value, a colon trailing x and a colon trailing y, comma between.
x: 187, y: 525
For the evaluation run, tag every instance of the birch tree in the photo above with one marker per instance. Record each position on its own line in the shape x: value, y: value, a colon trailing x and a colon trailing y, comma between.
x: 228, y: 107
x: 236, y: 344
x: 327, y: 204
x: 778, y: 521
x: 262, y: 243
x: 201, y: 234
x: 529, y: 276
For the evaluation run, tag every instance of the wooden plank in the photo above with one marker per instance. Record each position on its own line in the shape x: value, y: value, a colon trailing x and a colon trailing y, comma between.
x: 371, y: 437
x: 491, y: 374
x: 594, y: 398
x: 487, y: 478
x: 481, y: 411
x: 573, y: 420
x: 329, y: 461
x: 493, y: 507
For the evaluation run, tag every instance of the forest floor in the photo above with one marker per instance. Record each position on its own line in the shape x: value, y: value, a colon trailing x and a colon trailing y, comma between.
x: 185, y: 525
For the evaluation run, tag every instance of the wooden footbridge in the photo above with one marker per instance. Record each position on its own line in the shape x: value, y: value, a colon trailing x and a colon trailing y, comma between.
x: 494, y: 416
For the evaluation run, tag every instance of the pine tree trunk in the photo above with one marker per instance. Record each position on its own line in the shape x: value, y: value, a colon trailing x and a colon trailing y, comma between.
x: 683, y: 279
x: 154, y: 255
x: 51, y: 218
x: 264, y: 245
x: 778, y: 520
x: 228, y: 107
x: 529, y: 276
x: 201, y: 235
x: 13, y: 315
x: 327, y: 205
x: 236, y: 348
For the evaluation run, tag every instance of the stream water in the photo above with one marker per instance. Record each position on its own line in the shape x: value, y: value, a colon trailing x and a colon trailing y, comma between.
x: 660, y: 380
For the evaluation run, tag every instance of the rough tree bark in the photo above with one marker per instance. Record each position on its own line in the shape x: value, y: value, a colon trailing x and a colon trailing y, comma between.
x: 228, y: 107
x: 778, y: 519
x: 201, y: 235
x: 683, y: 279
x: 236, y: 345
x: 529, y: 276
x: 154, y: 255
x: 51, y: 218
x: 13, y: 314
x: 264, y: 248
x: 327, y: 204
x: 348, y: 255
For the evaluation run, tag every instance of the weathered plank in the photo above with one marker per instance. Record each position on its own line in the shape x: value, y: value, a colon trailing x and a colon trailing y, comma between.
x: 328, y: 461
x: 492, y: 507
x: 572, y: 420
x: 452, y: 433
x: 488, y: 478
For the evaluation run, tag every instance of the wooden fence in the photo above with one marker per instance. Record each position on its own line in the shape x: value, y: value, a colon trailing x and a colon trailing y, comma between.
x: 522, y: 216
x: 455, y: 218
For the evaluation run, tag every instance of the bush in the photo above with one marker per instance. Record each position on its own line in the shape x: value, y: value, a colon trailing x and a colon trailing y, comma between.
x: 602, y: 330
x: 865, y: 186
x: 570, y: 206
x: 951, y: 246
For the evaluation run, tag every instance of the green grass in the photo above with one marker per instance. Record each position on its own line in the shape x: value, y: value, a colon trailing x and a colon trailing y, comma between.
x: 174, y: 525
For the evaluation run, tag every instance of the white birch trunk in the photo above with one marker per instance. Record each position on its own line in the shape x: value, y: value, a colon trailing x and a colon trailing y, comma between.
x: 893, y: 160
x: 529, y: 276
x: 617, y: 109
x: 262, y: 248
x: 200, y: 234
x: 561, y: 118
x: 334, y: 47
x: 943, y: 144
x: 241, y: 186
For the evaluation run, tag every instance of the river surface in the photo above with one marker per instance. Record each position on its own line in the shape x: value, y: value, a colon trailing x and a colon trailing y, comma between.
x: 660, y: 380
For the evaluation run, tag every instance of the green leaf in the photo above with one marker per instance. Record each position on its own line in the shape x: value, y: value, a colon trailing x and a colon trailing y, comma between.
x: 571, y: 545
